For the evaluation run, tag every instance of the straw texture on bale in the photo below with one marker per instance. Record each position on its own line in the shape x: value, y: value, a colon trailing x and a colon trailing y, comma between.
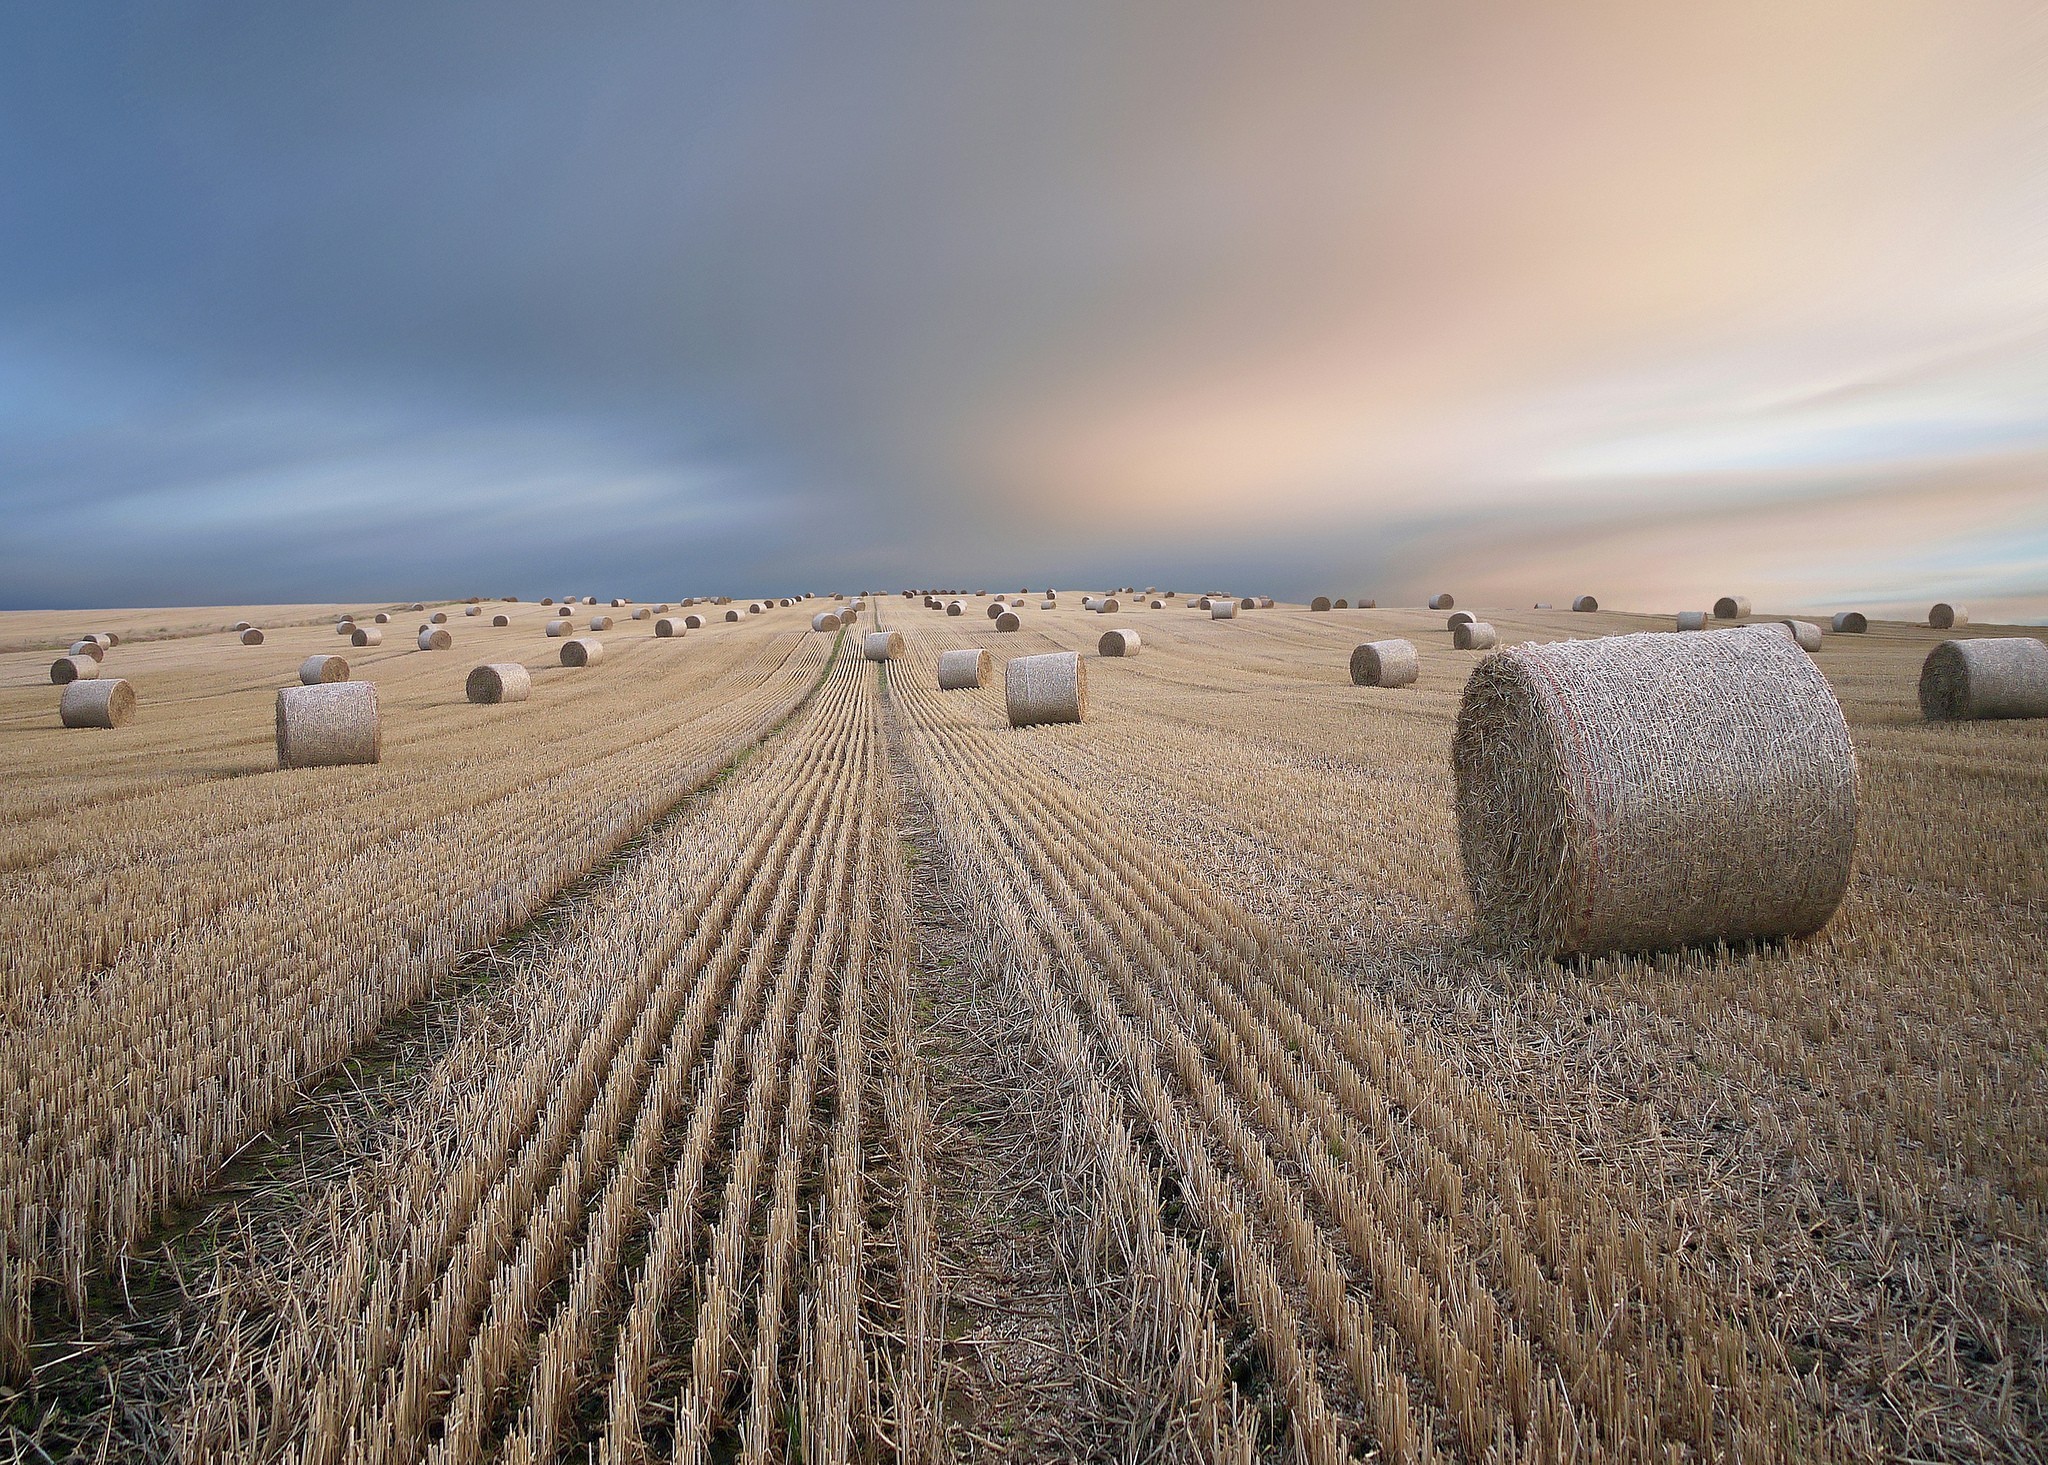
x: 967, y: 667
x: 314, y: 671
x: 252, y: 637
x: 1009, y: 620
x: 1048, y: 688
x: 1321, y: 602
x: 101, y: 702
x: 1223, y: 610
x: 1384, y: 664
x: 321, y: 727
x: 600, y: 623
x: 366, y: 636
x: 732, y: 615
x: 1459, y: 618
x: 1627, y: 793
x: 1475, y: 636
x: 1117, y: 643
x: 1985, y: 677
x: 1946, y: 617
x: 1806, y: 633
x: 1582, y: 603
x: 498, y: 681
x: 1692, y: 620
x: 1851, y: 622
x: 693, y: 622
x: 435, y: 638
x: 1442, y: 602
x: 67, y: 669
x: 882, y: 645
x: 582, y: 651
x: 88, y: 648
x: 1731, y: 607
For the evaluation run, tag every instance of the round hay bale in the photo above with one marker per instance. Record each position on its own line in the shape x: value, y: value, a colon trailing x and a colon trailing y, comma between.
x: 239, y: 626
x: 435, y: 638
x: 1627, y: 793
x: 1091, y: 602
x: 560, y: 628
x: 590, y: 600
x: 962, y: 669
x: 1368, y: 605
x: 995, y: 608
x: 343, y: 626
x: 1580, y: 603
x: 1384, y: 664
x: 439, y: 617
x: 582, y: 651
x: 67, y: 669
x: 1009, y: 620
x: 1851, y: 622
x: 1731, y: 607
x: 474, y: 610
x: 108, y: 639
x: 366, y: 636
x: 643, y: 614
x: 882, y: 645
x: 1692, y: 620
x: 100, y: 702
x: 88, y: 648
x: 1806, y: 633
x: 849, y: 617
x: 1985, y: 677
x: 954, y: 608
x: 318, y: 670
x: 1321, y: 602
x: 754, y: 609
x: 1048, y: 605
x: 619, y: 602
x: 417, y: 605
x: 498, y: 681
x: 1475, y: 636
x: 383, y: 617
x: 1946, y: 617
x: 665, y: 626
x: 1109, y: 605
x: 1459, y: 618
x: 547, y: 600
x: 1342, y: 603
x: 732, y: 615
x: 1265, y: 602
x: 1048, y: 688
x: 252, y: 637
x: 321, y: 727
x: 825, y: 620
x: 1248, y: 603
x: 1156, y: 605
x: 1445, y: 601
x: 1222, y: 610
x: 693, y: 622
x: 600, y: 623
x: 1117, y: 643
x: 1543, y: 605
x: 662, y: 609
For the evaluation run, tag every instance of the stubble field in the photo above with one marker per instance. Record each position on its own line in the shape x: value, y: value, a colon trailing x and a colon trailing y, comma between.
x: 744, y: 1050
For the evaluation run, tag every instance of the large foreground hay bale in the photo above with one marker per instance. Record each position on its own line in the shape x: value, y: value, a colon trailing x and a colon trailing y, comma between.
x: 1446, y: 601
x: 1731, y: 607
x: 1223, y: 610
x: 1321, y: 602
x: 967, y: 667
x: 67, y: 669
x: 1580, y: 603
x: 1692, y: 620
x: 366, y: 636
x: 1806, y: 633
x: 582, y: 651
x: 498, y: 681
x: 319, y: 727
x: 316, y: 671
x: 88, y: 648
x: 1946, y: 617
x: 882, y: 645
x: 1009, y: 620
x: 252, y: 637
x: 1117, y: 643
x: 100, y: 702
x: 1634, y: 792
x: 1985, y: 677
x: 435, y: 638
x: 1384, y: 664
x: 1851, y: 622
x: 1475, y: 636
x: 1048, y: 688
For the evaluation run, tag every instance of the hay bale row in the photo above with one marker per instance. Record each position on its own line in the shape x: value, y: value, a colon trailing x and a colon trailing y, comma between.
x: 1628, y: 793
x: 1385, y: 664
x: 1985, y: 677
x: 316, y: 671
x: 1043, y: 689
x: 498, y: 681
x: 963, y: 669
x: 329, y: 725
x: 97, y: 702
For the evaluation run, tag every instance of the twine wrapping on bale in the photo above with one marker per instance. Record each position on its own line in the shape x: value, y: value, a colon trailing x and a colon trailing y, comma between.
x: 1582, y: 603
x: 1985, y: 677
x: 1117, y: 643
x: 1633, y: 792
x: 435, y: 638
x: 962, y: 669
x: 582, y: 651
x: 1048, y: 688
x: 1321, y: 602
x: 315, y: 671
x: 882, y: 645
x: 1692, y: 620
x: 498, y: 681
x: 1384, y: 664
x: 600, y: 623
x: 1009, y: 620
x: 668, y: 626
x: 101, y: 702
x: 1851, y: 622
x: 1442, y: 602
x: 1731, y: 607
x: 1475, y: 636
x: 320, y: 727
x: 67, y: 669
x: 1946, y: 617
x: 1806, y: 633
x: 366, y: 636
x: 88, y: 648
x: 252, y: 637
x: 1459, y: 618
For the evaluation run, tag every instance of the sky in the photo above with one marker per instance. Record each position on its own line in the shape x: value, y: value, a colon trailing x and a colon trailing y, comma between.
x: 356, y: 301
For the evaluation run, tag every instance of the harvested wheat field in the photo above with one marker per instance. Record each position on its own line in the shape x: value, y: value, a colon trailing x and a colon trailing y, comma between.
x: 740, y: 1048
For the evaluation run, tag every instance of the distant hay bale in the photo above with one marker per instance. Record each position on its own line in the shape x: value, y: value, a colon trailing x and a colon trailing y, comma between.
x: 590, y: 600
x: 1459, y: 618
x: 825, y: 620
x: 439, y: 617
x: 1385, y: 664
x: 1048, y: 688
x: 1985, y: 677
x: 1581, y: 603
x: 560, y: 628
x: 1475, y: 636
x: 324, y: 726
x: 1156, y: 604
x: 239, y: 626
x: 417, y: 605
x: 1009, y: 620
x: 582, y: 651
x: 1946, y: 617
x: 108, y: 639
x: 1109, y: 605
x: 1048, y: 605
x: 366, y: 636
x: 1442, y: 602
x: 619, y: 602
x: 498, y: 681
x: 252, y: 637
x: 547, y: 600
x: 88, y: 648
x: 435, y: 638
x: 754, y: 608
x: 1806, y: 633
x: 1222, y: 610
x: 882, y: 645
x: 1265, y: 602
x: 1692, y: 620
x: 732, y: 615
x: 1851, y: 622
x: 1091, y: 602
x: 1321, y: 602
x: 643, y: 614
x: 67, y: 669
x: 383, y: 617
x: 499, y: 622
x: 693, y: 622
x: 1544, y: 605
x: 1368, y: 605
x: 99, y: 702
x: 954, y: 608
x: 995, y: 608
x: 1342, y: 603
x: 661, y: 610
x: 317, y: 670
x: 965, y: 668
x: 1627, y: 793
x: 343, y: 626
x: 666, y: 626
x: 600, y: 623
x: 849, y: 617
x: 1731, y: 607
x: 474, y: 610
x: 1118, y: 643
x: 1249, y: 602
